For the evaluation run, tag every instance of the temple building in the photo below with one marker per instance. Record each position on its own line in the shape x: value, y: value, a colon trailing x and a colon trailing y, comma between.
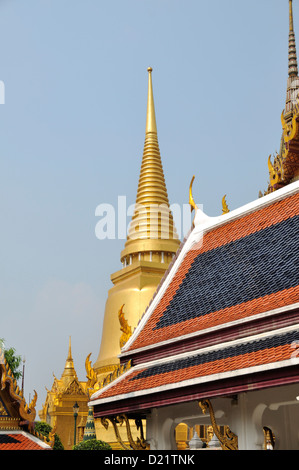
x: 17, y: 417
x: 58, y: 409
x: 218, y: 344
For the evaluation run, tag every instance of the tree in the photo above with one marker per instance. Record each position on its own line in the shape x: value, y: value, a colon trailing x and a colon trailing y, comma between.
x: 13, y: 360
x: 92, y: 444
x: 44, y: 428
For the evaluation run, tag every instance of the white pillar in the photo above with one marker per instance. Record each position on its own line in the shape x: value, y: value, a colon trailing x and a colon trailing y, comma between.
x: 160, y: 430
x: 246, y: 422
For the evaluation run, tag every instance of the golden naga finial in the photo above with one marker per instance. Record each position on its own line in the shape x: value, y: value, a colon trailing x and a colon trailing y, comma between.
x: 275, y: 173
x: 225, y: 209
x: 272, y: 174
x: 90, y: 374
x: 33, y: 401
x: 191, y: 200
x: 52, y: 433
x: 228, y: 440
x: 124, y: 327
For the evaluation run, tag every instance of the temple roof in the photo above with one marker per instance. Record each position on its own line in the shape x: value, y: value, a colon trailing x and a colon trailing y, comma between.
x: 230, y: 272
x: 16, y: 416
x: 242, y: 264
x: 20, y: 440
x: 219, y: 362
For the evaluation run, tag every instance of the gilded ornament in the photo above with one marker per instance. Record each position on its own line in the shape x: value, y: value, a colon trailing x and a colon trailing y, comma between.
x: 124, y: 327
x: 117, y: 421
x: 28, y: 413
x: 191, y: 200
x: 269, y: 438
x: 51, y: 435
x: 225, y: 209
x: 92, y: 382
x: 275, y: 171
x: 228, y: 441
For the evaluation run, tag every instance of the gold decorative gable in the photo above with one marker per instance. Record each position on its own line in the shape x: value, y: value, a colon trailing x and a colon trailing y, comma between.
x: 74, y: 388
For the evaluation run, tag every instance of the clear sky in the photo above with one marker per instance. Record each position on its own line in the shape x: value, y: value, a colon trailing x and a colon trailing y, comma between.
x: 72, y: 133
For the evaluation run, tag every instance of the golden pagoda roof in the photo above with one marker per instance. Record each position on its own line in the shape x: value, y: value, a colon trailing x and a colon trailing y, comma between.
x: 69, y: 372
x: 69, y: 381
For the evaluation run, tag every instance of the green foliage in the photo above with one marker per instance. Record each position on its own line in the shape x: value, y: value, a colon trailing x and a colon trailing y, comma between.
x: 44, y: 429
x: 14, y: 362
x: 92, y: 444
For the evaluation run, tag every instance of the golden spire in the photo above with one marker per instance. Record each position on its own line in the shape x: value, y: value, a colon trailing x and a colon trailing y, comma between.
x: 69, y: 369
x: 152, y: 220
x: 151, y: 243
x: 291, y: 15
x: 293, y: 65
x: 293, y: 79
x: 151, y: 125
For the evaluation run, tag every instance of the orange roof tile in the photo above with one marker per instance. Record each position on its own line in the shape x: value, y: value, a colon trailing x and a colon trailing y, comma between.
x: 20, y: 441
x: 228, y: 358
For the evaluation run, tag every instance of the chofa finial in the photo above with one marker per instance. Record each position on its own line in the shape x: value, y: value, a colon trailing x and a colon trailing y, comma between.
x: 225, y: 209
x: 193, y: 206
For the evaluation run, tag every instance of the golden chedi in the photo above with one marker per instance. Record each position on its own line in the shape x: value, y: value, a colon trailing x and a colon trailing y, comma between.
x: 151, y: 243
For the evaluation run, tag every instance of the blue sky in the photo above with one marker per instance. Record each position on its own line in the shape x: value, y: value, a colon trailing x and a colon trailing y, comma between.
x: 72, y: 134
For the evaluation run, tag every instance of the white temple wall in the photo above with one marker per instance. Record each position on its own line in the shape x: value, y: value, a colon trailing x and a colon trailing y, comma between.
x: 246, y: 414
